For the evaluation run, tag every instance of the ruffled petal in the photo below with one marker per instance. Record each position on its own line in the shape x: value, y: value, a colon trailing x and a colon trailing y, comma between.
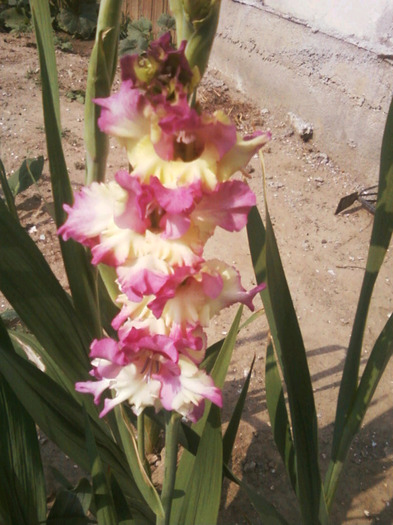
x: 202, y: 296
x: 124, y: 115
x: 239, y: 156
x: 227, y: 206
x: 185, y: 388
x: 92, y: 212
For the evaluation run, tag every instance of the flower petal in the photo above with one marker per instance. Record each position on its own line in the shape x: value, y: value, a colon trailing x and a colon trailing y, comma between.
x: 92, y: 212
x: 227, y: 206
x: 185, y: 387
x: 123, y: 115
x: 201, y: 296
x: 239, y: 156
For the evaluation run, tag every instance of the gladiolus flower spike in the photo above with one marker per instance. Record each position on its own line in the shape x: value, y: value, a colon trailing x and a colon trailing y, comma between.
x: 152, y: 223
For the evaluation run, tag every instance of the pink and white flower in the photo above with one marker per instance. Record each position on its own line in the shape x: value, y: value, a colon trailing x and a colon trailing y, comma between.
x: 196, y: 299
x: 148, y: 377
x: 152, y: 225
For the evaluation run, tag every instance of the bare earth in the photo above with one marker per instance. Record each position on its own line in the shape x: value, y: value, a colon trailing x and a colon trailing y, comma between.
x: 324, y: 257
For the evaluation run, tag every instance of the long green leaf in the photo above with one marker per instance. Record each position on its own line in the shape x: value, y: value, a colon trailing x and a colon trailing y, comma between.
x: 26, y: 345
x: 298, y: 381
x: 122, y: 509
x: 80, y: 274
x: 202, y: 499
x: 278, y: 414
x: 290, y: 350
x: 28, y: 283
x: 103, y: 502
x: 266, y: 511
x: 22, y: 484
x: 184, y: 482
x: 376, y: 365
x: 380, y: 239
x: 136, y: 464
x: 256, y: 233
x: 213, y: 350
x: 233, y: 425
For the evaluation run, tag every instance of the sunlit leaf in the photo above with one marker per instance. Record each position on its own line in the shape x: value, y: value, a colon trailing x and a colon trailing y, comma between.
x: 29, y: 173
x: 203, y: 494
x: 375, y: 367
x: 291, y: 353
x: 136, y: 464
x: 233, y: 425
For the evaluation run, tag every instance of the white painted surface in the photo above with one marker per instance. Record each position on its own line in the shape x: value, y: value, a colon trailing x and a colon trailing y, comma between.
x: 343, y: 90
x: 367, y: 23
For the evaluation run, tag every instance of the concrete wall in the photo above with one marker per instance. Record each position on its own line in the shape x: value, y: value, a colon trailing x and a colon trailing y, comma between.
x: 343, y: 90
x: 366, y: 23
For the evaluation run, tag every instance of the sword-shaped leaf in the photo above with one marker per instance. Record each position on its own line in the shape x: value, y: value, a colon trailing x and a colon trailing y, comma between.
x: 30, y: 286
x: 380, y: 239
x: 291, y: 353
x: 103, y: 501
x: 81, y: 276
x: 22, y: 484
x: 278, y: 414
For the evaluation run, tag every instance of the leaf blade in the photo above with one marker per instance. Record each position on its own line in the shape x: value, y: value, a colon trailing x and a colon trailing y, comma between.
x: 22, y: 484
x: 380, y: 239
x: 290, y: 349
x: 135, y: 463
x: 202, y: 499
x: 184, y: 482
x: 278, y: 414
x: 81, y: 276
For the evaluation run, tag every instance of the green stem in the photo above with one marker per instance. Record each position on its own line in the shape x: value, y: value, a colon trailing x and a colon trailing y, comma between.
x: 141, y: 428
x: 141, y: 435
x: 102, y: 68
x: 172, y: 421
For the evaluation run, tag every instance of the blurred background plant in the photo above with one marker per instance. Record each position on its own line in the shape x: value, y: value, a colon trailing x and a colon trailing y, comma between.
x: 75, y: 17
x: 136, y: 35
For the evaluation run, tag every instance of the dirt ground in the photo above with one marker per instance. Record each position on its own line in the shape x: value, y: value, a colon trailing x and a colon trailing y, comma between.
x: 324, y: 256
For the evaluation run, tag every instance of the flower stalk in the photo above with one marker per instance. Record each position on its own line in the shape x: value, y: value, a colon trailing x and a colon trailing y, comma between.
x: 196, y: 22
x: 172, y: 422
x: 141, y: 441
x: 150, y: 225
x: 102, y: 68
